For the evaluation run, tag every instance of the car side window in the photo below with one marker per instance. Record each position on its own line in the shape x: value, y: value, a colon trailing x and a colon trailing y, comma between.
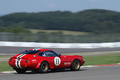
x: 48, y: 54
x: 42, y: 54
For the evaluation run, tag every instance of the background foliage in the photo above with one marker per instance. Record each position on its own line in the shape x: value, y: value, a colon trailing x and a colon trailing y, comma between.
x: 93, y: 20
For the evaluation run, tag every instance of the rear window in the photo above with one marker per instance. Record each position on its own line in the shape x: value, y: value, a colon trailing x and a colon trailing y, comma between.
x: 30, y: 52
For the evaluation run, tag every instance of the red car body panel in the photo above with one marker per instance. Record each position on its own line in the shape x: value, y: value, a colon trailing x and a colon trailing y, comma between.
x: 33, y: 61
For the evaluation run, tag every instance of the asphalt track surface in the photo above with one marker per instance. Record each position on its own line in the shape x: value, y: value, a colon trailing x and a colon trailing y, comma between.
x: 97, y: 73
x: 16, y: 50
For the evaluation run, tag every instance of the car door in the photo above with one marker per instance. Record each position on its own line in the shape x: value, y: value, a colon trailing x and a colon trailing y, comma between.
x: 66, y: 61
x: 52, y: 57
x: 55, y: 60
x: 58, y: 61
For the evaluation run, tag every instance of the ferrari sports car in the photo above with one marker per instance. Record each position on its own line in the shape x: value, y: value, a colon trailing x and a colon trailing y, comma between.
x: 43, y: 60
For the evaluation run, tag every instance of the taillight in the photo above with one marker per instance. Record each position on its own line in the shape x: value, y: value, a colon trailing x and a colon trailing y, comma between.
x: 10, y: 60
x: 27, y: 61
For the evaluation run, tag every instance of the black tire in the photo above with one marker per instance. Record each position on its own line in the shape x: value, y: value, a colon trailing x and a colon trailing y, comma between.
x: 44, y: 67
x: 20, y: 71
x: 75, y: 65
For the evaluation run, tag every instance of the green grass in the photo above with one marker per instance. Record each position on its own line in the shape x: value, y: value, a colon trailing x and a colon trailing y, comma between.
x: 90, y: 60
x: 4, y: 66
x: 102, y: 59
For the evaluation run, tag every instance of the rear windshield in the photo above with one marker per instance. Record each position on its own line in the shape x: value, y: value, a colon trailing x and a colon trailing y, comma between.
x: 30, y: 52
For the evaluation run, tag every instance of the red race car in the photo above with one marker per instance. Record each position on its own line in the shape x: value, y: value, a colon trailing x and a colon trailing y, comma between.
x: 42, y: 60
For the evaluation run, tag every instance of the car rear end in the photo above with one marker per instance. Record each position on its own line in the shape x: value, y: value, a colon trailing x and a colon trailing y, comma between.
x: 24, y: 60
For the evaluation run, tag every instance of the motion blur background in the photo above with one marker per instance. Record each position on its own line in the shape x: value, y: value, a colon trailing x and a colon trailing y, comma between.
x: 73, y: 21
x: 90, y: 28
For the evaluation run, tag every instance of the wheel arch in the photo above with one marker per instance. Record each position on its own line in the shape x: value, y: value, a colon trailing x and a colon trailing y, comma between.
x: 76, y: 59
x: 38, y: 65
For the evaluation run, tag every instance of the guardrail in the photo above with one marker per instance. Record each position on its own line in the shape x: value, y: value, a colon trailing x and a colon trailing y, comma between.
x: 60, y: 45
x: 59, y: 38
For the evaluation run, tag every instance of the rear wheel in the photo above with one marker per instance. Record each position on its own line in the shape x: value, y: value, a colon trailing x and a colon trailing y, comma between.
x: 75, y: 65
x: 44, y: 67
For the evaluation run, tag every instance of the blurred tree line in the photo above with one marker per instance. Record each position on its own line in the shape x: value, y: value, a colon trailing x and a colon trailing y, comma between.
x: 92, y: 20
x: 14, y: 30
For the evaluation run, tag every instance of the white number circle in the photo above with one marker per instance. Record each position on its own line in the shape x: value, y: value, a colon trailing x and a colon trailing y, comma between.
x: 57, y: 61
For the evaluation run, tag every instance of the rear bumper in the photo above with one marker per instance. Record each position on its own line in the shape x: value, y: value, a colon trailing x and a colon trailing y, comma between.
x: 21, y: 64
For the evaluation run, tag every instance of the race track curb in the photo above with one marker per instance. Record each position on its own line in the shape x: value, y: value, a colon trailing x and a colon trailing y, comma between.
x: 89, y: 66
x: 104, y: 65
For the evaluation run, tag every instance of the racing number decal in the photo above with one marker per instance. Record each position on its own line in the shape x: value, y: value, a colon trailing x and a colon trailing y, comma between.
x: 57, y: 61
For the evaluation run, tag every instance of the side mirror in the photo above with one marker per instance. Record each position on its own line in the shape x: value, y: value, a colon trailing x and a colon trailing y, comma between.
x: 59, y: 55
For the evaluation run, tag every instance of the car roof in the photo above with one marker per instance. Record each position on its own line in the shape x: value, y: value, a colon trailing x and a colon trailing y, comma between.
x: 39, y: 49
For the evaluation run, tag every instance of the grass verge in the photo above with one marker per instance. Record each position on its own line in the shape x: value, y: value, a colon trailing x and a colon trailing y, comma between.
x: 102, y: 59
x: 90, y: 60
x: 4, y: 66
